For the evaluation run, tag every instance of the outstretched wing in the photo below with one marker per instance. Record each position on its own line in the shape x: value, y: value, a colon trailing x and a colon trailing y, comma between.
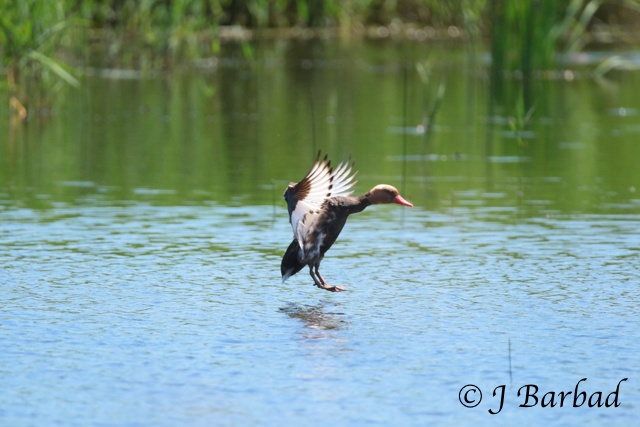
x: 305, y: 199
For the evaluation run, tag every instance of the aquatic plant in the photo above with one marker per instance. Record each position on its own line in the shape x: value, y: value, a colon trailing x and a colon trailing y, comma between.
x: 29, y: 36
x: 528, y: 36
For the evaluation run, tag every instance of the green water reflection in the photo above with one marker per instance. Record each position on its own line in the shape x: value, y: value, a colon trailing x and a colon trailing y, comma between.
x: 236, y: 132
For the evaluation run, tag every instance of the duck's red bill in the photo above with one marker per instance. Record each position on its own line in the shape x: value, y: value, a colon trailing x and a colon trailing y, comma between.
x: 399, y: 200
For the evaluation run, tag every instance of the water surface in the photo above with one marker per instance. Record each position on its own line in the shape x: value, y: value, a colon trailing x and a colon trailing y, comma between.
x: 142, y: 228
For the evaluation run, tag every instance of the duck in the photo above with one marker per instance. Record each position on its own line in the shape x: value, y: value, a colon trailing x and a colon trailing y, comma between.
x: 318, y: 207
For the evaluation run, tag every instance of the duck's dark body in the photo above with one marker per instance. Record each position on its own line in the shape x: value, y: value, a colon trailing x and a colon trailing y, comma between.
x: 333, y: 217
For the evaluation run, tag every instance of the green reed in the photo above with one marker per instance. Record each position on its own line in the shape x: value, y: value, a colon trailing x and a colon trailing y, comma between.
x: 30, y: 38
x: 526, y: 38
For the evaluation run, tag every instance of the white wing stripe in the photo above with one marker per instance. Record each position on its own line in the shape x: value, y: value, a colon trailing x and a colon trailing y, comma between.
x: 320, y: 178
x: 343, y: 188
x: 343, y: 175
x: 339, y: 169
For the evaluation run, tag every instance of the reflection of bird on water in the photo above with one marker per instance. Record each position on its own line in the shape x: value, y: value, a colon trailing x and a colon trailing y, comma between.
x: 314, y: 316
x: 318, y: 209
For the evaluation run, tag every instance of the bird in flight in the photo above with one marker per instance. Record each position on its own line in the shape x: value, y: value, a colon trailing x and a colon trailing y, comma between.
x: 318, y: 209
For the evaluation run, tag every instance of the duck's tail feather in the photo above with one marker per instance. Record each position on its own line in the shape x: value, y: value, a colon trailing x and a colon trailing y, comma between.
x: 290, y: 261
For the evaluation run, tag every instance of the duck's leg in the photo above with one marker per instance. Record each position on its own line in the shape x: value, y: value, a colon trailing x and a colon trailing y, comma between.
x: 325, y: 285
x: 316, y: 281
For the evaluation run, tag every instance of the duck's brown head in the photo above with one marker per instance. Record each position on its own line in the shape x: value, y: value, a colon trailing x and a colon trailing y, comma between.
x: 386, y: 194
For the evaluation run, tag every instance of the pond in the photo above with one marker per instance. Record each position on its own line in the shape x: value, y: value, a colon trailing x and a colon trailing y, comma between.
x: 142, y: 226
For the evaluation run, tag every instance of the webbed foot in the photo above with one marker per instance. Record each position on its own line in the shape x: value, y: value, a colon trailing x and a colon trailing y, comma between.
x: 332, y: 288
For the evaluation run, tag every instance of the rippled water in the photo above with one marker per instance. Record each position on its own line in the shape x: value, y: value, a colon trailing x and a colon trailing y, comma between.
x: 142, y: 227
x: 143, y: 315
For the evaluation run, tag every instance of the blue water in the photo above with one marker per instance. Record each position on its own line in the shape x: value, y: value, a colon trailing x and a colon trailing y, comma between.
x: 142, y: 226
x: 144, y: 315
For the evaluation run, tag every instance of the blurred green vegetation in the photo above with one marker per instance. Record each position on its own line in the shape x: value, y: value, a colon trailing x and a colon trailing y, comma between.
x: 532, y: 29
x: 35, y: 35
x: 201, y: 14
x: 527, y: 36
x: 45, y: 44
x: 174, y: 29
x: 30, y: 32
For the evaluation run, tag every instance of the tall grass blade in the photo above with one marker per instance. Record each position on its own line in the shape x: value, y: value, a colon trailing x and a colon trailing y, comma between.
x: 54, y: 66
